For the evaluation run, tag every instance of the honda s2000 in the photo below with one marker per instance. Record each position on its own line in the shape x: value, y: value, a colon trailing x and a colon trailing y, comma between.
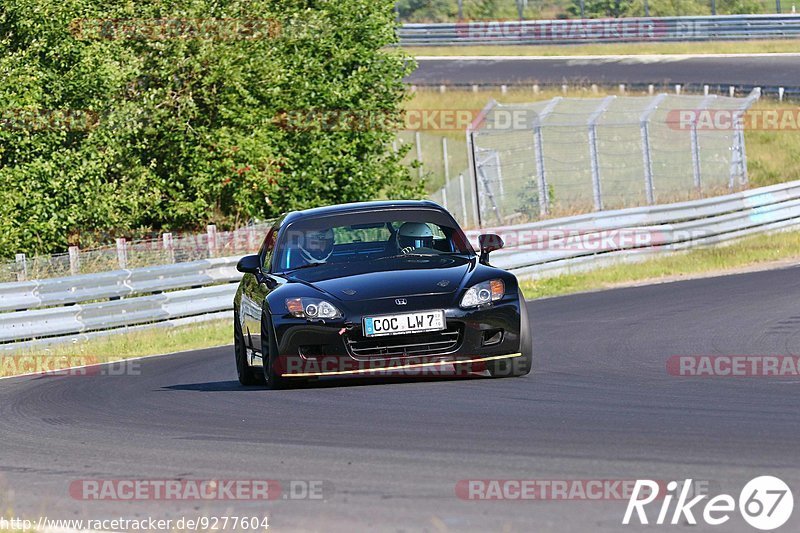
x: 371, y: 287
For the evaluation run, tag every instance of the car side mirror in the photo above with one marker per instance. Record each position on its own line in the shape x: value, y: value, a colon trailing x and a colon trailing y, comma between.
x: 489, y: 242
x: 249, y: 264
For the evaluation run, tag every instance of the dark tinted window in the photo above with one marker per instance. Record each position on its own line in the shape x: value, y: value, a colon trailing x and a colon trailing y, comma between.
x: 369, y: 236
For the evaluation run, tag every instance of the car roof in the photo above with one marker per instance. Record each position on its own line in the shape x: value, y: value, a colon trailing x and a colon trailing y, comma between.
x: 360, y: 207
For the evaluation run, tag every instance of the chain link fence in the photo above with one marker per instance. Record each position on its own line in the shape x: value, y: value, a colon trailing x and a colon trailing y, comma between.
x: 164, y: 250
x: 574, y: 155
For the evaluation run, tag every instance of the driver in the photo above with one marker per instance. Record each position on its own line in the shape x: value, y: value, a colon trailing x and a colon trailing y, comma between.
x: 414, y: 235
x: 316, y: 246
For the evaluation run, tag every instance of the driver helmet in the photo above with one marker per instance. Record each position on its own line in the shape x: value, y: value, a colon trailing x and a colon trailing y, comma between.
x: 414, y: 235
x: 316, y: 245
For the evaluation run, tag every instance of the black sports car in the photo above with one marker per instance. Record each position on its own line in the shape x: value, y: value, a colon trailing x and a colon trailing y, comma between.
x: 374, y: 287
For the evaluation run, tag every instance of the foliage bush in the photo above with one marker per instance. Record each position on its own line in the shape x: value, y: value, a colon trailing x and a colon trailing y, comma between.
x: 108, y: 132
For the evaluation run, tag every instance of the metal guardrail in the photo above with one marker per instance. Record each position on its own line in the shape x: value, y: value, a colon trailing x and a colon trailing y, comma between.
x: 63, y: 309
x: 94, y: 302
x: 572, y: 31
x: 551, y: 247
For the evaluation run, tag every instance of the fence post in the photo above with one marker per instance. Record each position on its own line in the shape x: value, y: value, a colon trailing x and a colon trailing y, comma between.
x: 473, y: 165
x: 644, y: 126
x: 593, y: 156
x: 251, y: 239
x: 74, y: 260
x: 538, y: 150
x: 738, y: 155
x: 169, y: 246
x: 122, y: 253
x: 211, y: 231
x: 695, y: 141
x: 463, y: 198
x: 418, y: 142
x: 446, y: 160
x: 22, y: 267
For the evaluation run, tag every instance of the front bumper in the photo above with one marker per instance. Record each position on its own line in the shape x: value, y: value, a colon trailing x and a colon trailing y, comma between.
x: 472, y: 338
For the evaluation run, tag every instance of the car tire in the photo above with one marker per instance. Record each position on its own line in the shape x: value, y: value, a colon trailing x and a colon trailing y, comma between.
x: 248, y: 376
x: 269, y: 353
x: 516, y: 366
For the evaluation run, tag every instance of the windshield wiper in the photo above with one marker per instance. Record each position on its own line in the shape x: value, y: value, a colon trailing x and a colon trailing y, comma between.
x: 307, y: 265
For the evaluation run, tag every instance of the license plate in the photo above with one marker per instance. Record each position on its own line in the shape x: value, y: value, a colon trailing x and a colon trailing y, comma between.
x: 375, y: 326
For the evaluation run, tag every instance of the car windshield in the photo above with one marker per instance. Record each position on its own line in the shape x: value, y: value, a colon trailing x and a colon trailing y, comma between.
x: 369, y: 236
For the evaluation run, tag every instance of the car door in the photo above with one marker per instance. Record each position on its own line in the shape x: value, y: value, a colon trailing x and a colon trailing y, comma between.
x: 255, y: 288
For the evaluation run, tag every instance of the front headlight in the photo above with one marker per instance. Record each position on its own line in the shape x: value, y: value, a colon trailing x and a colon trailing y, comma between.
x: 312, y: 308
x: 483, y: 293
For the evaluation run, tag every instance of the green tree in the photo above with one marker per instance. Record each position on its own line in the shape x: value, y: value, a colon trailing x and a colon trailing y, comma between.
x: 599, y: 8
x: 426, y: 10
x: 668, y: 8
x: 106, y: 129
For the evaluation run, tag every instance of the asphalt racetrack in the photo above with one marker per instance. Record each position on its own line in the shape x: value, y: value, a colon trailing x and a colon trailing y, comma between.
x: 769, y: 70
x: 390, y: 452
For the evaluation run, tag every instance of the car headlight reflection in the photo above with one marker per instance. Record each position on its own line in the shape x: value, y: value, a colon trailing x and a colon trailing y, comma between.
x: 483, y: 293
x: 312, y: 308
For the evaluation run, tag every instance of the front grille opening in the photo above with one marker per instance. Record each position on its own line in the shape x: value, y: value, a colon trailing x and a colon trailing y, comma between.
x: 432, y: 343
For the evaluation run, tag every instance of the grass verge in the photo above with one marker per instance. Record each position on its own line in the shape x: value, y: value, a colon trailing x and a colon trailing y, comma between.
x: 728, y: 47
x: 738, y: 256
x: 118, y: 347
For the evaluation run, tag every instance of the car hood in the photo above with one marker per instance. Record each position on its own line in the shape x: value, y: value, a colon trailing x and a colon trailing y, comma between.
x: 388, y: 279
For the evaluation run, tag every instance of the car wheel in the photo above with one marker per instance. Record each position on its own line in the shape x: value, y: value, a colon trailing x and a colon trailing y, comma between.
x: 248, y: 376
x: 517, y: 366
x: 269, y: 351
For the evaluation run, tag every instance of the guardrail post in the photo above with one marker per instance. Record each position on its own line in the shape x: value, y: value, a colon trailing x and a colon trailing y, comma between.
x: 169, y: 246
x: 122, y: 253
x: 593, y: 156
x: 644, y: 126
x: 211, y: 231
x: 22, y: 267
x: 74, y: 260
